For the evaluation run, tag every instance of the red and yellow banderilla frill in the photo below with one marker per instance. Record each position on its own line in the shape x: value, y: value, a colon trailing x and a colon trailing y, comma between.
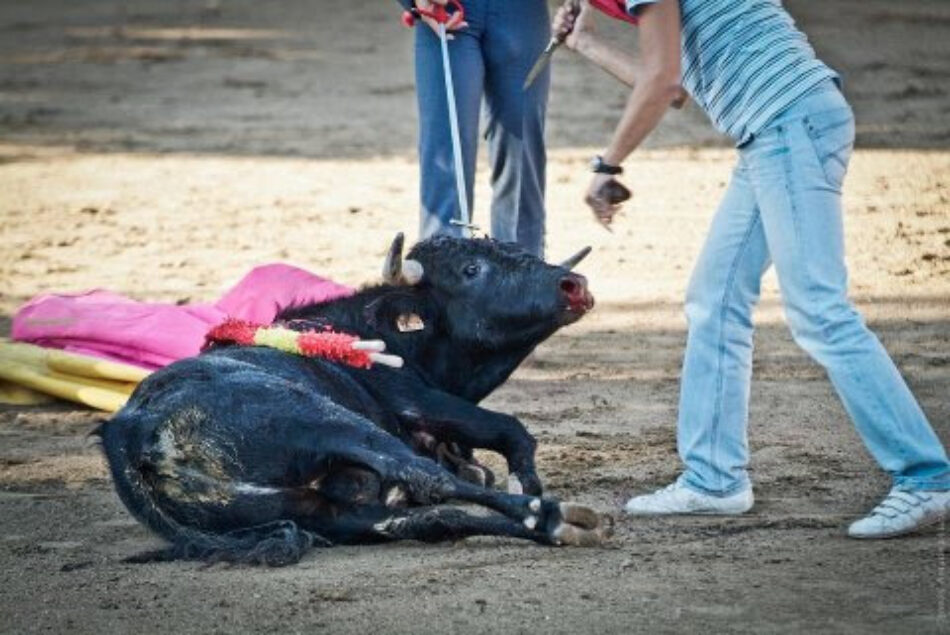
x: 330, y: 345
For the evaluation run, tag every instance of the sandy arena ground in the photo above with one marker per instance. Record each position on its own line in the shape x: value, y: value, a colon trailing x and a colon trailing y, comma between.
x: 161, y: 149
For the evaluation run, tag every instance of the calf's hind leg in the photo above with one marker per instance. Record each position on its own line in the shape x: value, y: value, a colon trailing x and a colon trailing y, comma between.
x: 427, y: 483
x: 449, y: 523
x: 434, y: 524
x: 358, y: 442
x: 444, y: 522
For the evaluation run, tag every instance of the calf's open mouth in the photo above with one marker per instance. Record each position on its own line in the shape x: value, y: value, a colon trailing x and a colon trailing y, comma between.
x: 582, y: 305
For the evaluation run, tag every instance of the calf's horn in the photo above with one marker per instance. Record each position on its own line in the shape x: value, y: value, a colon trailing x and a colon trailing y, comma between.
x: 393, y: 265
x: 571, y: 262
x: 396, y: 270
x: 412, y: 271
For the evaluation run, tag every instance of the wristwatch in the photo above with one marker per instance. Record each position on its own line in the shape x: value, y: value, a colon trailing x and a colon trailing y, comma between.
x: 598, y: 166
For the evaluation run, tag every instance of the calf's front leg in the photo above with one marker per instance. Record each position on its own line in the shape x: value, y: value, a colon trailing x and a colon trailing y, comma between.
x: 451, y: 419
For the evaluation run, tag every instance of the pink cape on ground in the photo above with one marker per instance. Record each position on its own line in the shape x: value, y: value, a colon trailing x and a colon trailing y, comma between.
x: 150, y: 334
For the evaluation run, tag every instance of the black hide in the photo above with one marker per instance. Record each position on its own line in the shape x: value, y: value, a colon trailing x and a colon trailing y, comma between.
x: 251, y: 454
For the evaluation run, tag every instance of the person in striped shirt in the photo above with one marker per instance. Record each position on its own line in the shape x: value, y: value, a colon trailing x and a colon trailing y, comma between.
x: 752, y: 71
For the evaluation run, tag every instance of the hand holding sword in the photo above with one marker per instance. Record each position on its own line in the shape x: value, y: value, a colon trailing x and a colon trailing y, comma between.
x: 561, y: 30
x: 571, y: 25
x: 428, y: 12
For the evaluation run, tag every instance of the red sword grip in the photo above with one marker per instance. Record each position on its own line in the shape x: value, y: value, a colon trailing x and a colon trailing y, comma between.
x: 438, y: 13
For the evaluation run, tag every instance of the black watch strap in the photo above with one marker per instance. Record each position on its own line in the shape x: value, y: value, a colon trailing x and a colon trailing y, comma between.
x: 598, y: 166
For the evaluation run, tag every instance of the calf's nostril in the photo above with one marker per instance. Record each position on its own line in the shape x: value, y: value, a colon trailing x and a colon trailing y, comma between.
x: 574, y: 290
x: 570, y: 286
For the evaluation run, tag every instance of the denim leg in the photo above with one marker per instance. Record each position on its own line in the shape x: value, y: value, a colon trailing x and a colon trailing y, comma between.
x: 437, y: 185
x: 717, y: 367
x: 516, y: 34
x: 797, y: 171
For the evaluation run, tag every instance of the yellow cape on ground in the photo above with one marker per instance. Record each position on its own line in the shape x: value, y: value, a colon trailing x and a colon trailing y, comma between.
x: 32, y: 374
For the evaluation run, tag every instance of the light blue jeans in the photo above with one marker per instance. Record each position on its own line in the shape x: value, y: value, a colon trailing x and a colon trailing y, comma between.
x: 489, y: 59
x: 783, y: 206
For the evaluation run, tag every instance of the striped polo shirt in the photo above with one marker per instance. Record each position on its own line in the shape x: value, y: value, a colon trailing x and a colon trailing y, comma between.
x: 743, y: 61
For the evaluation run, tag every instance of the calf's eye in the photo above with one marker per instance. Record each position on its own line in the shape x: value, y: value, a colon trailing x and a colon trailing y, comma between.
x: 471, y: 270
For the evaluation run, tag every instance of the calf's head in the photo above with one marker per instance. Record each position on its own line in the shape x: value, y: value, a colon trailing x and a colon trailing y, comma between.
x: 491, y: 296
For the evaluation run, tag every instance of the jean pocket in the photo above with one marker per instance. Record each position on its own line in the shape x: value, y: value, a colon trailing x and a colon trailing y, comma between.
x: 832, y: 138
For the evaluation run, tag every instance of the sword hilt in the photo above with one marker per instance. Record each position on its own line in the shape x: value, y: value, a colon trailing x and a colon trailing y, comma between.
x: 438, y: 12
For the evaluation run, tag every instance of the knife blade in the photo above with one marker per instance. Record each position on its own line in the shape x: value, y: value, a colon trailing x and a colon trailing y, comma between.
x: 541, y: 62
x: 548, y: 51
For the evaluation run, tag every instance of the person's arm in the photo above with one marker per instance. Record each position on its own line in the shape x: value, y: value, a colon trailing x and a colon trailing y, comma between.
x: 613, y: 60
x: 655, y: 79
x: 576, y: 29
x: 659, y: 79
x: 580, y: 36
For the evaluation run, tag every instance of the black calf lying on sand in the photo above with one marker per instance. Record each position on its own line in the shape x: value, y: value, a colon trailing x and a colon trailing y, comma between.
x: 252, y: 454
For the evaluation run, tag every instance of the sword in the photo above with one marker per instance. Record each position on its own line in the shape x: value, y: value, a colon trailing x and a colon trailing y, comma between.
x: 548, y: 52
x: 441, y: 15
x: 614, y: 8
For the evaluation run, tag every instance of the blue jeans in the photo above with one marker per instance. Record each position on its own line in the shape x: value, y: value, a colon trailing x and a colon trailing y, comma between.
x: 491, y: 57
x: 783, y: 206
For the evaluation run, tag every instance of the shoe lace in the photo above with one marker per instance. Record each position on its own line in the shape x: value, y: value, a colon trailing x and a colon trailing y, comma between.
x: 899, y: 501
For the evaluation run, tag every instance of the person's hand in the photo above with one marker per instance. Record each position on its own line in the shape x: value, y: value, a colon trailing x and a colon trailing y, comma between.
x: 455, y: 22
x: 572, y: 23
x: 604, y: 195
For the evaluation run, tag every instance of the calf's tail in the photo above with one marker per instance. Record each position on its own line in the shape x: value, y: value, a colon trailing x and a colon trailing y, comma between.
x: 275, y: 544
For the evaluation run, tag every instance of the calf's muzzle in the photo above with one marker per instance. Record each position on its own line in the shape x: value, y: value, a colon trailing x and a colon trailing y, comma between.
x: 574, y: 291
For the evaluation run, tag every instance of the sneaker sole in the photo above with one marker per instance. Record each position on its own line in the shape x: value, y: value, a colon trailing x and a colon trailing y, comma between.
x: 716, y: 512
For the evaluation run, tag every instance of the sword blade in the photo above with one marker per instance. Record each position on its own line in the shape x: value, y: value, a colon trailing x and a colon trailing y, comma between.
x: 464, y: 217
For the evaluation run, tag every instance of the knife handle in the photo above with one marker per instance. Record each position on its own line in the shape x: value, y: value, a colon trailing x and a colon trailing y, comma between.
x: 557, y: 40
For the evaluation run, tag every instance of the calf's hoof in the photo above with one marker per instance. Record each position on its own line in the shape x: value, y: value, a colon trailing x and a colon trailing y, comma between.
x: 469, y: 470
x: 577, y: 525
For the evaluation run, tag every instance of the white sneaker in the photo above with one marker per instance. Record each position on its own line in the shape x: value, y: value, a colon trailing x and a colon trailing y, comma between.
x: 901, y: 512
x: 679, y: 499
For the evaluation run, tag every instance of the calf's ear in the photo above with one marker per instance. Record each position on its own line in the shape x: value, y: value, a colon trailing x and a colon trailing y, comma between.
x: 409, y: 322
x: 399, y: 271
x: 396, y: 312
